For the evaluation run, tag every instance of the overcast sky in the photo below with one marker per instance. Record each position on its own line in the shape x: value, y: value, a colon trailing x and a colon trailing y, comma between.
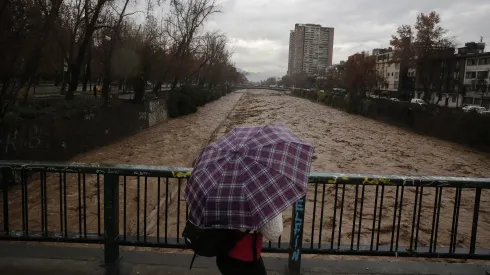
x: 258, y: 30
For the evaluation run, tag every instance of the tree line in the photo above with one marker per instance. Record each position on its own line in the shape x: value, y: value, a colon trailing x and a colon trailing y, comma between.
x: 77, y: 43
x: 417, y: 48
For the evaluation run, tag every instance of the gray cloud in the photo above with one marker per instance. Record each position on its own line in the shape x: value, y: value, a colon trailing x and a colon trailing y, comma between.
x: 259, y: 29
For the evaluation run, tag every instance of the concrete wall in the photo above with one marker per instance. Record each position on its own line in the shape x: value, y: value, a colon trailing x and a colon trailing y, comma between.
x: 157, y: 111
x: 59, y: 138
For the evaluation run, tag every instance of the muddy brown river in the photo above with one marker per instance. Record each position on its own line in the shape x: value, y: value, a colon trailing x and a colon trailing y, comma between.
x: 344, y: 143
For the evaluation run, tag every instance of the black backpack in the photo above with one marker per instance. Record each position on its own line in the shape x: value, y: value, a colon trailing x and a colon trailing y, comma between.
x: 213, y: 242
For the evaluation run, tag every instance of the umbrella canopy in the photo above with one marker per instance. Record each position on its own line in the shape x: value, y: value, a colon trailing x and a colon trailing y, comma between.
x: 248, y: 177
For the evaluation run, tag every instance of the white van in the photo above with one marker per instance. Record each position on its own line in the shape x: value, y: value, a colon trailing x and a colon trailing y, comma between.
x: 418, y: 101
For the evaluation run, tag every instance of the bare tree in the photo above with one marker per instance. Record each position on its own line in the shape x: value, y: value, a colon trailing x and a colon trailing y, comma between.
x: 112, y: 37
x: 211, y: 47
x: 361, y: 74
x: 185, y: 20
x: 423, y: 47
x: 90, y: 26
x: 25, y: 30
x: 69, y: 32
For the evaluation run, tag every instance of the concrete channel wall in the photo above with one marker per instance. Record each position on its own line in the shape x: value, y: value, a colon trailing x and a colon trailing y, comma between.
x: 62, y: 137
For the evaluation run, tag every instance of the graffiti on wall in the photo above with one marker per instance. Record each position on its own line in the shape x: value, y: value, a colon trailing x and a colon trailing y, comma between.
x: 14, y: 139
x: 142, y: 115
x: 89, y: 116
x: 157, y: 112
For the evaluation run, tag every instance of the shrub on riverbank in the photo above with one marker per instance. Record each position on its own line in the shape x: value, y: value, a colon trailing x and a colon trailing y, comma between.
x: 185, y: 100
x: 450, y: 124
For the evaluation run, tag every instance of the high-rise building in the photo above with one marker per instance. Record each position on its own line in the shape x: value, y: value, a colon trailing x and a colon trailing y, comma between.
x: 310, y: 49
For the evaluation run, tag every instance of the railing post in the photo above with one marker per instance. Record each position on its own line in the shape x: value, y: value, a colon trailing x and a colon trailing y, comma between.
x: 296, y: 243
x: 474, y: 227
x: 5, y: 190
x: 111, y: 222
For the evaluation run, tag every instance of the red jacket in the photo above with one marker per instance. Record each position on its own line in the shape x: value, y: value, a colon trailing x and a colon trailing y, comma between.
x: 243, y: 250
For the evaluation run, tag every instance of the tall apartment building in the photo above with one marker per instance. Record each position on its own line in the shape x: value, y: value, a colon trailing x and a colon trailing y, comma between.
x: 310, y: 49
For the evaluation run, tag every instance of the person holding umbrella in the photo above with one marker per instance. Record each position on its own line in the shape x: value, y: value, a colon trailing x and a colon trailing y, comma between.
x: 241, y: 259
x: 242, y: 183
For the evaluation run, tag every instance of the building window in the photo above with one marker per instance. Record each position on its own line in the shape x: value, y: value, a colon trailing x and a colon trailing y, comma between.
x: 483, y: 61
x: 468, y: 100
x: 454, y: 97
x: 471, y: 62
x: 482, y: 75
x: 470, y: 75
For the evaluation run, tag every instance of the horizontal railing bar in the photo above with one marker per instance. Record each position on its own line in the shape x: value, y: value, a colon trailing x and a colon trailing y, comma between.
x: 384, y: 250
x: 172, y: 243
x: 403, y: 253
x: 98, y: 168
x: 265, y: 249
x: 38, y: 236
x: 365, y: 249
x: 182, y: 172
x: 375, y: 179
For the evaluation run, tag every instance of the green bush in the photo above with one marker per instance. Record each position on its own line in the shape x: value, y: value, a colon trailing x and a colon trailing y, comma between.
x: 197, y: 95
x: 11, y: 118
x: 185, y: 100
x: 180, y: 104
x: 28, y: 111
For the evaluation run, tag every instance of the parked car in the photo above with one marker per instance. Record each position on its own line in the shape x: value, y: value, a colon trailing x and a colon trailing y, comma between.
x: 394, y: 99
x: 418, y: 101
x: 471, y: 108
x: 486, y: 112
x: 480, y: 109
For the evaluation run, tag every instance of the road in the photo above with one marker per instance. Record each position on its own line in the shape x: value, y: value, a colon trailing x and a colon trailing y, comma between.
x: 343, y: 143
x: 43, y: 91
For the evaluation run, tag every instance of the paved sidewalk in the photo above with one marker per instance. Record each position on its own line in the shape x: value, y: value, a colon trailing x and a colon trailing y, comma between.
x: 20, y: 259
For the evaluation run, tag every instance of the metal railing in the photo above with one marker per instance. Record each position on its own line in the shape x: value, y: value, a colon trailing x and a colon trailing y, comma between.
x: 375, y: 215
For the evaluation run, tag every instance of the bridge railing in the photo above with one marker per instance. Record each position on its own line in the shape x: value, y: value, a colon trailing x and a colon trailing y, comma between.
x: 342, y: 214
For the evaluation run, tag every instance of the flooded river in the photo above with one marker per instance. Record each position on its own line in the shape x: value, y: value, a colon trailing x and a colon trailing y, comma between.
x: 344, y: 143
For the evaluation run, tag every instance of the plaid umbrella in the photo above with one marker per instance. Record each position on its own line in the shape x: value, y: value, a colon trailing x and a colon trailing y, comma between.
x: 248, y: 177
